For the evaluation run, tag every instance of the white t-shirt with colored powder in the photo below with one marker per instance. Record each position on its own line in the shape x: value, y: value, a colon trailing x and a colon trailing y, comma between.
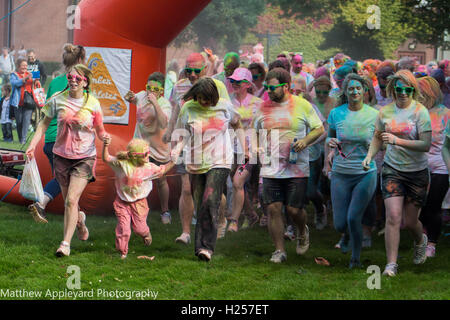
x: 77, y: 120
x: 148, y: 128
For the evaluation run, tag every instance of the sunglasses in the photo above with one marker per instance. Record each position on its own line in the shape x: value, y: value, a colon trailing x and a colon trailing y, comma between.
x: 256, y: 76
x: 190, y: 70
x: 273, y: 88
x: 420, y: 74
x: 238, y: 82
x: 154, y: 89
x: 77, y: 78
x: 405, y: 90
x: 345, y: 156
x: 322, y: 92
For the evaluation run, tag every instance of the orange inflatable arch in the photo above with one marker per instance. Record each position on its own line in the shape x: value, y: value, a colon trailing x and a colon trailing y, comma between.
x: 146, y: 27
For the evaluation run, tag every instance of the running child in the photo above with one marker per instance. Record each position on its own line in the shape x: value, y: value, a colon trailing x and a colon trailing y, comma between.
x: 134, y: 175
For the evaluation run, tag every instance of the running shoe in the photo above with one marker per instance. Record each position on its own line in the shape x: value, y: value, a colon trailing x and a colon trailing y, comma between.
x: 431, y: 251
x: 355, y: 264
x: 63, y: 250
x: 166, y: 218
x: 303, y: 242
x: 420, y: 251
x: 82, y: 230
x: 37, y: 213
x: 148, y: 239
x: 123, y: 256
x: 204, y: 255
x: 391, y: 270
x: 185, y: 238
x: 233, y: 226
x: 290, y: 233
x: 343, y: 244
x: 278, y: 256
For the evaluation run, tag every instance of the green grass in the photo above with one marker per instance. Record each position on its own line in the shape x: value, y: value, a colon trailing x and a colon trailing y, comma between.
x: 240, y: 268
x: 16, y: 145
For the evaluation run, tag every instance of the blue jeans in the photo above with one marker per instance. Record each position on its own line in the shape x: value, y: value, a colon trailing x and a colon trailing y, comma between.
x: 350, y: 195
x: 52, y: 188
x: 23, y: 120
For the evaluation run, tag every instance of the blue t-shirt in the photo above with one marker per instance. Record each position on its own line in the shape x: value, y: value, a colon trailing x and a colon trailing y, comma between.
x: 354, y: 129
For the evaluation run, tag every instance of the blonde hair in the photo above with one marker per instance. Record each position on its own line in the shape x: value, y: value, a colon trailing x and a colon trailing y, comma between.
x: 134, y: 146
x: 406, y: 77
x: 431, y: 94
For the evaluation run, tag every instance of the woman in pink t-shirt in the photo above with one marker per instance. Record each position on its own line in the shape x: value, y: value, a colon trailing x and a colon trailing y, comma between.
x: 79, y: 120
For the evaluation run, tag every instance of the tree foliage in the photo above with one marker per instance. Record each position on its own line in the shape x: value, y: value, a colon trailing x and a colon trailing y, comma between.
x: 425, y: 20
x: 295, y: 35
x: 222, y: 24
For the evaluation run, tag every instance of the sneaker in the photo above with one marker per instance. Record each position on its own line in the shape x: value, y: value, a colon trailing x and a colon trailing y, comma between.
x: 343, y: 244
x: 63, y: 250
x: 222, y: 228
x: 367, y: 242
x: 420, y: 251
x: 431, y: 251
x: 82, y: 230
x: 166, y: 218
x: 233, y: 226
x: 148, y: 239
x: 204, y: 255
x: 355, y: 264
x: 37, y: 213
x: 303, y: 242
x: 278, y: 257
x: 390, y: 270
x: 290, y: 233
x: 321, y: 219
x: 123, y: 256
x: 185, y: 238
x: 245, y: 224
x: 194, y: 221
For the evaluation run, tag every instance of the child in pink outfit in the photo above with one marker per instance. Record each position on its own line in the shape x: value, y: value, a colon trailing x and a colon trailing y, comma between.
x: 134, y: 175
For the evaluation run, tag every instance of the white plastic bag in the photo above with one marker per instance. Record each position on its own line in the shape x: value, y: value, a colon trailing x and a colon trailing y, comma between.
x: 31, y: 185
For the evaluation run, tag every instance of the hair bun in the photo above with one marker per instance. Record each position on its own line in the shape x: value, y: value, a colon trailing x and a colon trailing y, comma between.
x: 69, y: 48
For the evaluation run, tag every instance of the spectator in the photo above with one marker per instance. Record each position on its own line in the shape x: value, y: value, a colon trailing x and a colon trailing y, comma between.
x: 22, y: 53
x: 6, y: 65
x: 36, y: 67
x: 407, y: 63
x: 6, y: 114
x: 22, y: 83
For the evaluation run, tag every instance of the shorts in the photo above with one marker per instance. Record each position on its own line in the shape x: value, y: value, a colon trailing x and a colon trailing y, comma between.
x: 65, y: 168
x: 411, y: 185
x: 157, y: 162
x: 291, y: 192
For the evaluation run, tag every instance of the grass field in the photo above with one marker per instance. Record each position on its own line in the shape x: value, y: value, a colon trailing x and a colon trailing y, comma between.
x: 240, y: 268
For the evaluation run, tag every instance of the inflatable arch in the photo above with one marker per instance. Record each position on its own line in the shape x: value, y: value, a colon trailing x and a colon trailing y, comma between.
x: 146, y: 27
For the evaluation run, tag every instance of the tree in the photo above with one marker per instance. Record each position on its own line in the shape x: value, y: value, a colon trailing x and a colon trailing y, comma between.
x: 431, y: 21
x: 222, y: 24
x: 425, y: 20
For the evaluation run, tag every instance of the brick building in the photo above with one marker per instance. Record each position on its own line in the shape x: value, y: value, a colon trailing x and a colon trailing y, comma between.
x: 37, y: 24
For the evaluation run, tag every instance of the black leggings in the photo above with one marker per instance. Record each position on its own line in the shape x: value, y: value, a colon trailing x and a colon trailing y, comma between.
x: 431, y: 214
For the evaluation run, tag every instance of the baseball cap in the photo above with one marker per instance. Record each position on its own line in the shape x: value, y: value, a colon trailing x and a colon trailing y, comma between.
x: 242, y: 74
